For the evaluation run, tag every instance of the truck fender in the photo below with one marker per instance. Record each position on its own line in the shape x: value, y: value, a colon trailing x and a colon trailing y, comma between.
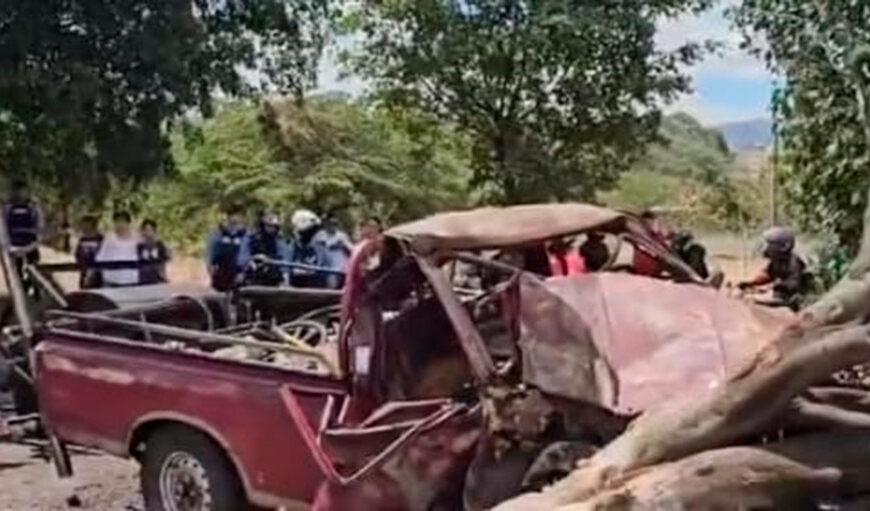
x: 149, y: 423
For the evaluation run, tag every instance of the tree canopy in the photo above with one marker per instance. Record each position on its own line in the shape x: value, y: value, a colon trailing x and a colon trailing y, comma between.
x: 557, y: 96
x: 820, y: 50
x: 89, y: 87
x: 334, y: 156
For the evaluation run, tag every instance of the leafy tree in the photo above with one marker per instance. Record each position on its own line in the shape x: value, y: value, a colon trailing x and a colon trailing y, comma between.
x: 557, y: 95
x: 89, y: 87
x: 688, y: 149
x: 333, y: 155
x: 820, y: 48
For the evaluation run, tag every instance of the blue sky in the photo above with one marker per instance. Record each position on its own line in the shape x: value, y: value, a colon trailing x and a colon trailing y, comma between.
x: 730, y: 86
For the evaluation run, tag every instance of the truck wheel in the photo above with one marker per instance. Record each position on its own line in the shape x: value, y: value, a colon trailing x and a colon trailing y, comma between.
x: 184, y: 470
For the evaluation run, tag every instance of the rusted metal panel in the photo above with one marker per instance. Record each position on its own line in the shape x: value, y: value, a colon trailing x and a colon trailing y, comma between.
x: 626, y: 342
x: 140, y: 295
x: 493, y: 227
x: 431, y: 464
x: 97, y: 393
x: 559, y: 353
x: 524, y: 225
x: 469, y: 338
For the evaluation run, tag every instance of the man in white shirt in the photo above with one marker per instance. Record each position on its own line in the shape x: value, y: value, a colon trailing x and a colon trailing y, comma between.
x: 338, y: 247
x: 120, y: 245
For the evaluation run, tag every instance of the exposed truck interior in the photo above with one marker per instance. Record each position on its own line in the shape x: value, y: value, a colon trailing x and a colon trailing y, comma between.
x: 440, y: 337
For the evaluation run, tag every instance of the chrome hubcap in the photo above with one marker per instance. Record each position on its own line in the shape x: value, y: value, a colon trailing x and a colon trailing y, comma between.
x: 184, y: 485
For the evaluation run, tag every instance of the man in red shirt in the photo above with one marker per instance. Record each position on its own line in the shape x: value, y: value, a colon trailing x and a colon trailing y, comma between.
x: 564, y: 261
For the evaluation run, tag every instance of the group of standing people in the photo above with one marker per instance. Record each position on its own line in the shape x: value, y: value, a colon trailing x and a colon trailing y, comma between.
x: 123, y: 257
x: 314, y: 255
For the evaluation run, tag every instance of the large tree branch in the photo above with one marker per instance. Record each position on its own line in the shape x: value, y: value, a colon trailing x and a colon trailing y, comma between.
x: 819, y: 416
x: 745, y: 405
x: 788, y: 475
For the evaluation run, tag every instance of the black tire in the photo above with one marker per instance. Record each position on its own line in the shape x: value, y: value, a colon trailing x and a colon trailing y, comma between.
x: 199, y: 467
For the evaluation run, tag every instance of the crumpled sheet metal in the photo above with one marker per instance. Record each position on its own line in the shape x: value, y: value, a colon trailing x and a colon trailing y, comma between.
x: 491, y: 227
x: 626, y: 342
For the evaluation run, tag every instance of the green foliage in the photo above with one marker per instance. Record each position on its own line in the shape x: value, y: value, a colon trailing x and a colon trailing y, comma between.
x: 830, y: 263
x: 690, y: 174
x: 556, y: 96
x: 639, y: 190
x: 687, y: 149
x: 331, y: 155
x: 89, y: 88
x: 816, y: 47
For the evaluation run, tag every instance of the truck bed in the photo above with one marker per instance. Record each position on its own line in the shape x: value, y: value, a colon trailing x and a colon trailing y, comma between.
x: 106, y: 384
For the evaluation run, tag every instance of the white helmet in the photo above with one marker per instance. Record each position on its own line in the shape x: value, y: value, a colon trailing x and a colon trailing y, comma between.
x: 304, y: 219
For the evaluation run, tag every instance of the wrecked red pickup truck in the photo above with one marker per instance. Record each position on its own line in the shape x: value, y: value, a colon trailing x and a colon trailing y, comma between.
x: 407, y: 390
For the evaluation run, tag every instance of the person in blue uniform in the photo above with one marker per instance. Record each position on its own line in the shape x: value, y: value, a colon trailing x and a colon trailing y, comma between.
x: 153, y: 255
x: 87, y: 248
x: 24, y: 223
x: 223, y: 250
x: 266, y: 243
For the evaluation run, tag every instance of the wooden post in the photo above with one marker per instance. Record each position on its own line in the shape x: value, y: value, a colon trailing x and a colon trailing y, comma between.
x: 774, y: 171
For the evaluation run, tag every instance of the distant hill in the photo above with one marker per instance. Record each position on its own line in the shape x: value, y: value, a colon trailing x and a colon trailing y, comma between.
x: 688, y: 149
x: 694, y: 176
x: 754, y: 133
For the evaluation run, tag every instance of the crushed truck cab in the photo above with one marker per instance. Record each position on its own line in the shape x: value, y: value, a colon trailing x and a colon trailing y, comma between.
x: 405, y: 391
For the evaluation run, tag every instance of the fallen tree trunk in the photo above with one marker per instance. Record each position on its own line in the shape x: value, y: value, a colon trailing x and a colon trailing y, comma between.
x: 796, y: 474
x: 745, y: 405
x: 734, y: 478
x: 850, y: 399
x: 809, y: 415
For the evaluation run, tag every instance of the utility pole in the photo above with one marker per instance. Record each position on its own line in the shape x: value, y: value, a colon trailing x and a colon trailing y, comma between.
x: 774, y: 172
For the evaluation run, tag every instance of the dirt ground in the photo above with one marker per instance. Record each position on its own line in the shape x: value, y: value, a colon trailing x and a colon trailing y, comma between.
x: 102, y: 483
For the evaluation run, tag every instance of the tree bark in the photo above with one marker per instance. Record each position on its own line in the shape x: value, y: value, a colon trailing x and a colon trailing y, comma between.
x: 732, y: 479
x: 809, y: 415
x: 747, y: 404
x: 850, y: 399
x: 792, y: 475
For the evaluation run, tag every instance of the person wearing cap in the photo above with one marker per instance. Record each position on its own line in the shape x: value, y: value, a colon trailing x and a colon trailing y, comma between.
x: 265, y: 244
x: 306, y: 250
x: 785, y: 270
